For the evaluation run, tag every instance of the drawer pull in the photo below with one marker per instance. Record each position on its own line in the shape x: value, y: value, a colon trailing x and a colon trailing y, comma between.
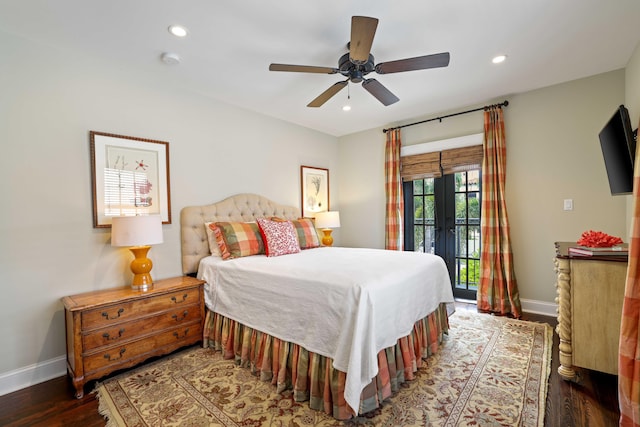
x: 175, y: 300
x: 106, y: 315
x: 109, y: 338
x: 177, y: 335
x: 184, y: 315
x: 108, y: 356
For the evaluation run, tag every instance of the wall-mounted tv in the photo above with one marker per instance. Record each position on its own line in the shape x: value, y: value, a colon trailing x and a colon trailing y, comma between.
x: 619, y: 149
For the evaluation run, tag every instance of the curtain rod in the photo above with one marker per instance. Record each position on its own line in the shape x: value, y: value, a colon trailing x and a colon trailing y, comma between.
x: 504, y: 104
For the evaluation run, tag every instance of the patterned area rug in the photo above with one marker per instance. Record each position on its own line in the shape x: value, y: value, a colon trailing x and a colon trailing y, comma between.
x: 490, y: 371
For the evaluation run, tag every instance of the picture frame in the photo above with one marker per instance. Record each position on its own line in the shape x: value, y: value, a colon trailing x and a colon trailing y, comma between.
x: 314, y: 197
x: 130, y: 176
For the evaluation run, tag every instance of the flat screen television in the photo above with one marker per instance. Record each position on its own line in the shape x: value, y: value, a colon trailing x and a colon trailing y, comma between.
x: 618, y: 149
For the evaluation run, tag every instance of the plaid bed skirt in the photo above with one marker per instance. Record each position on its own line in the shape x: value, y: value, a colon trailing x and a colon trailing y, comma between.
x: 311, y: 376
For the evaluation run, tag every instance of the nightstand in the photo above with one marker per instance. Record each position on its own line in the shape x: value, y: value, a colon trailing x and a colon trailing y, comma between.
x: 119, y: 328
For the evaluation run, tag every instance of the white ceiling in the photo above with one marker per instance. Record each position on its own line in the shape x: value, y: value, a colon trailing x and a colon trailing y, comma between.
x: 231, y: 44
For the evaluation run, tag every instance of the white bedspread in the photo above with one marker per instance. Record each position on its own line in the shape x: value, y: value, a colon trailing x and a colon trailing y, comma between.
x: 343, y: 303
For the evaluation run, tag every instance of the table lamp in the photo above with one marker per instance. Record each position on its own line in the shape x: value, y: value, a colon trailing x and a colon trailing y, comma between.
x: 326, y: 221
x: 138, y: 232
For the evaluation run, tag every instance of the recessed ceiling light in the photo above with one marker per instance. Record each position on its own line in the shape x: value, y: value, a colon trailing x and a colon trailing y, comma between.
x: 346, y: 108
x: 178, y: 30
x: 498, y: 59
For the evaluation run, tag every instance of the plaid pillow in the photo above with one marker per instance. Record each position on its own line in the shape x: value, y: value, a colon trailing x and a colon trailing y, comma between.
x: 241, y: 238
x: 307, y: 233
x: 280, y: 237
x: 306, y: 230
x: 217, y: 246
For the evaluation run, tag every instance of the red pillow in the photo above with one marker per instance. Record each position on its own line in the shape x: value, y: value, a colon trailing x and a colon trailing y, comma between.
x: 280, y: 237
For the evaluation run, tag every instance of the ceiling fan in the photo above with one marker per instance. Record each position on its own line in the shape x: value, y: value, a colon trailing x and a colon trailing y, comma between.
x: 359, y: 62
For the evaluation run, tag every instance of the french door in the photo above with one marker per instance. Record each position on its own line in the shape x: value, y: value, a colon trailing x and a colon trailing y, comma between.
x: 442, y: 217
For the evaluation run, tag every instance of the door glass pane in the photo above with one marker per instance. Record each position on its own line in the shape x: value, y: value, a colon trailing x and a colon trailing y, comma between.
x: 418, y: 206
x: 460, y: 182
x: 461, y: 273
x: 467, y: 195
x: 461, y: 241
x: 461, y: 208
x: 423, y: 215
x: 429, y: 186
x: 473, y: 179
x: 418, y: 186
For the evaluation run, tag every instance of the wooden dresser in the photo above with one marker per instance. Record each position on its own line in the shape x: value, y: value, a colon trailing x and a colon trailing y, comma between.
x: 118, y: 328
x: 590, y: 295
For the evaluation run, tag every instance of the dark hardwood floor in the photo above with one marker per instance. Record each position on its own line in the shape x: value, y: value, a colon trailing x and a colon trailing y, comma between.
x: 592, y: 402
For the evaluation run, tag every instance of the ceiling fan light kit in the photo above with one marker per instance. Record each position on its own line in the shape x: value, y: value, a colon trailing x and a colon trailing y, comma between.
x: 359, y: 62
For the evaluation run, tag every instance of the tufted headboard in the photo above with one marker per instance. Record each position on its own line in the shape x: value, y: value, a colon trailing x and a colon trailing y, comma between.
x: 241, y: 207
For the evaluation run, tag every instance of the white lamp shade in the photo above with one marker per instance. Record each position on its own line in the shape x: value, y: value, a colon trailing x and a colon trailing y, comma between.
x: 136, y: 230
x: 329, y: 219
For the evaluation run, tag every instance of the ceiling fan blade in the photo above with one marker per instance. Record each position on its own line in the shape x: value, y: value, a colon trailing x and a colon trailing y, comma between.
x: 363, y: 29
x: 302, y: 69
x: 417, y: 63
x: 327, y: 94
x: 381, y: 93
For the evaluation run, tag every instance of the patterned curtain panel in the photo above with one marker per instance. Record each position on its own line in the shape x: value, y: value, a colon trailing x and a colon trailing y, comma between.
x: 498, y: 289
x: 629, y: 354
x: 394, y: 238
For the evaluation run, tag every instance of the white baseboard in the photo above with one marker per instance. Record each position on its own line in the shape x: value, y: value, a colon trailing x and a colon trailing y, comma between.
x: 539, y: 307
x: 531, y: 306
x: 32, y: 374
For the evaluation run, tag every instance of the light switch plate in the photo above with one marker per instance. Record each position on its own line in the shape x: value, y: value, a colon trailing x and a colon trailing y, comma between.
x: 568, y: 204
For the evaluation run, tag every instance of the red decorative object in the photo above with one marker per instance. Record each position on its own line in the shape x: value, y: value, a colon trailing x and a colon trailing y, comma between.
x: 598, y: 239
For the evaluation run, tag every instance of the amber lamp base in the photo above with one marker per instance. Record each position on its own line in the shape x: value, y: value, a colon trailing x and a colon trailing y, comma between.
x: 141, y: 268
x: 327, y: 239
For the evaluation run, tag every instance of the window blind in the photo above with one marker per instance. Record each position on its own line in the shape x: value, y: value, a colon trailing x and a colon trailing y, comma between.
x: 438, y: 163
x: 417, y: 166
x: 461, y: 159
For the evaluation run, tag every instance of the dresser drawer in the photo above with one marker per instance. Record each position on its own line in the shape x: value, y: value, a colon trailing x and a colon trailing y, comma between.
x: 118, y: 313
x: 137, y: 328
x: 121, y: 354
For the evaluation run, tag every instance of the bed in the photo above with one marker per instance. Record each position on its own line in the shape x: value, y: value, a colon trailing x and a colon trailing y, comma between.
x: 342, y: 327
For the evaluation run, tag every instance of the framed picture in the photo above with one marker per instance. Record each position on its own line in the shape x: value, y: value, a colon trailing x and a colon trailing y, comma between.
x: 130, y: 176
x: 315, y: 190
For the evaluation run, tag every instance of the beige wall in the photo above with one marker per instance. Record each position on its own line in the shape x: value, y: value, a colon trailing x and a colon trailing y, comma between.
x: 552, y: 154
x: 48, y: 247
